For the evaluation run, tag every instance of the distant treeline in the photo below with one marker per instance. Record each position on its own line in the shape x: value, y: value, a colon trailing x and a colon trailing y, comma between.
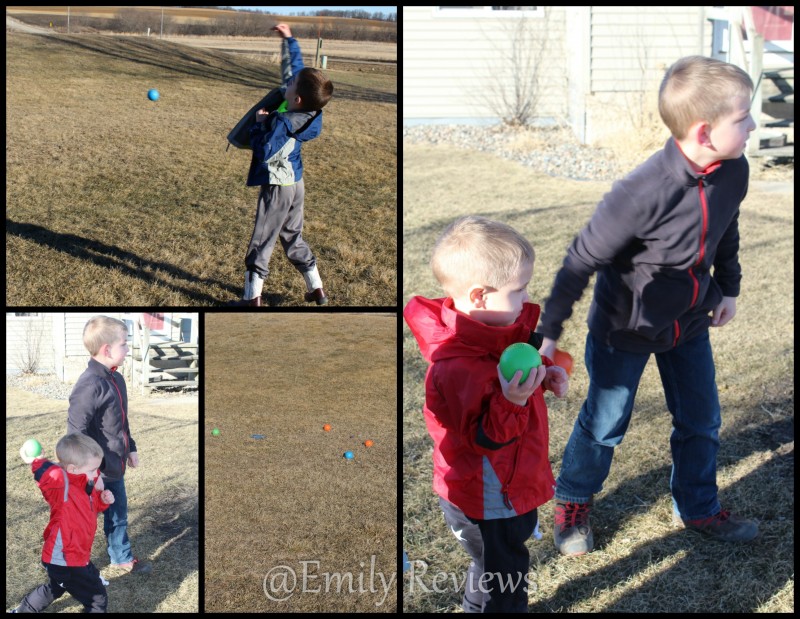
x: 354, y: 14
x: 241, y: 23
x: 255, y: 24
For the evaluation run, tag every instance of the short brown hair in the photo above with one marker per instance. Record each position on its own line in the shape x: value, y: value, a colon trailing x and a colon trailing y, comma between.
x: 477, y: 250
x: 699, y: 88
x: 102, y: 330
x: 313, y: 88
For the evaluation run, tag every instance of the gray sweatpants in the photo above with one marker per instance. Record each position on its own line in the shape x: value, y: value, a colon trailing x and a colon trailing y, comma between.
x: 279, y: 214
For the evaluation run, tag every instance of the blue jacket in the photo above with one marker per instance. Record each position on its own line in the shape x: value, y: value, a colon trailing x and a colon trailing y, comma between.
x: 276, y: 142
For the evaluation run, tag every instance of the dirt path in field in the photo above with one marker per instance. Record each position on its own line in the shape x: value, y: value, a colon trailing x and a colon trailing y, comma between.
x: 340, y: 50
x: 15, y: 24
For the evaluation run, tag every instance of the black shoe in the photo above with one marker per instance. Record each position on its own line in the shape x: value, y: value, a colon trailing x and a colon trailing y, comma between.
x: 256, y: 302
x: 318, y: 296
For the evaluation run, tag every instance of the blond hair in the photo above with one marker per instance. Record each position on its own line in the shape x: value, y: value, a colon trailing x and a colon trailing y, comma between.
x: 102, y: 330
x: 699, y: 88
x: 477, y: 250
x: 77, y: 448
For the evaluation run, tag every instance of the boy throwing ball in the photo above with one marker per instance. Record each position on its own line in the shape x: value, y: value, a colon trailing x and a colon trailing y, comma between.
x: 277, y: 167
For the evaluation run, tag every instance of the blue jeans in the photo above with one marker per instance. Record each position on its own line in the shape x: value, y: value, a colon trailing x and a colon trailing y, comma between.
x: 116, y: 523
x: 687, y: 374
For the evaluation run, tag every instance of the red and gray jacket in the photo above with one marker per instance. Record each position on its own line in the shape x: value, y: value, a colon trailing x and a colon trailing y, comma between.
x: 489, y: 454
x: 74, y: 505
x: 664, y: 243
x: 98, y: 407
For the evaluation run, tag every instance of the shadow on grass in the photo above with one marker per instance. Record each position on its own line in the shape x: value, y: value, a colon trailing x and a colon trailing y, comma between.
x: 113, y: 257
x: 200, y: 63
x: 707, y: 576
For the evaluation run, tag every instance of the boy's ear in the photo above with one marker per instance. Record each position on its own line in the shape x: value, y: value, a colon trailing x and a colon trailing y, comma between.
x: 700, y: 132
x: 477, y: 296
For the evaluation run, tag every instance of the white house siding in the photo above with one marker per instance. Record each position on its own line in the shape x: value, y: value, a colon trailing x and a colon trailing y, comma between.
x: 451, y: 65
x: 631, y: 48
x: 75, y: 357
x: 28, y: 332
x: 604, y: 63
x: 59, y: 343
x: 59, y: 336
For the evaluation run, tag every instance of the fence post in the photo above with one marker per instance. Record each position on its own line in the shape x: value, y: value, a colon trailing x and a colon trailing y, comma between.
x: 316, y: 58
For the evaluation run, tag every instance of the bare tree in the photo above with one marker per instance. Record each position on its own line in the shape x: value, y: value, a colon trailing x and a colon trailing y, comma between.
x: 516, y: 69
x: 30, y: 353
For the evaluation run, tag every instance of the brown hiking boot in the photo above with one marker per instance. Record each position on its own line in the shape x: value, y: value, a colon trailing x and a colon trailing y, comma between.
x: 572, y: 532
x: 723, y: 526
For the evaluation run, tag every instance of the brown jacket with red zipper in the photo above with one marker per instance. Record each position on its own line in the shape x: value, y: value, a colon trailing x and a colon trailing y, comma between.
x: 664, y: 243
x: 98, y: 407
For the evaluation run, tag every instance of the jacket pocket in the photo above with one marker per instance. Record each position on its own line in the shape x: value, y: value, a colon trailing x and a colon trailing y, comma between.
x: 660, y: 296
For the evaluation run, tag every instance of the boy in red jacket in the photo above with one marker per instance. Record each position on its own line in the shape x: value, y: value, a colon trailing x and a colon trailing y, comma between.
x: 72, y: 488
x: 490, y: 435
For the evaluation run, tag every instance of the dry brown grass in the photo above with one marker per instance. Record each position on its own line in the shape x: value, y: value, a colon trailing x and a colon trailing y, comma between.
x: 163, y: 503
x: 632, y: 127
x: 116, y: 200
x: 291, y: 497
x: 640, y: 563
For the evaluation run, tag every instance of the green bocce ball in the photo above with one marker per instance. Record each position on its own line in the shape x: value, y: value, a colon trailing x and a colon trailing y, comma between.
x: 32, y: 448
x: 519, y: 356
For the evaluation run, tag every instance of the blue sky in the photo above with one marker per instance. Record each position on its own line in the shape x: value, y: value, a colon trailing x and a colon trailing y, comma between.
x: 285, y: 10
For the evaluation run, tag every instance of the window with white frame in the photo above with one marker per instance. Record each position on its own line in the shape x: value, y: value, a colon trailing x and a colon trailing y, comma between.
x: 488, y: 11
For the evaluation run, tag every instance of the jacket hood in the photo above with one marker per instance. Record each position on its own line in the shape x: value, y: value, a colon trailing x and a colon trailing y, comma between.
x: 435, y: 323
x: 45, y: 469
x: 303, y: 126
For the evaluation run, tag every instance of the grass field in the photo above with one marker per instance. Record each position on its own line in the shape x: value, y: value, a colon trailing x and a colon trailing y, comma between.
x: 640, y: 564
x: 163, y: 504
x: 274, y: 503
x: 115, y: 200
